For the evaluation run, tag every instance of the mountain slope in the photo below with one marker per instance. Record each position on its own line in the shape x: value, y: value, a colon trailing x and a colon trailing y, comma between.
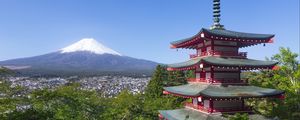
x: 83, y: 56
x: 89, y: 44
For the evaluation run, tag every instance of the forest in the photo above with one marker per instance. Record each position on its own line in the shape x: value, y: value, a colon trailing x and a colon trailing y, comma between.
x: 71, y: 102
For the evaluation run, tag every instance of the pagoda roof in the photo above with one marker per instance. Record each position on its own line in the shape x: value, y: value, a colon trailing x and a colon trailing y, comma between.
x: 222, y: 91
x: 223, y: 61
x: 234, y: 34
x: 181, y: 114
x: 228, y: 34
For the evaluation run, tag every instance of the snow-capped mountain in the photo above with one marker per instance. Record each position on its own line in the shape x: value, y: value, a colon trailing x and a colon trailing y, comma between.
x: 84, y: 56
x: 90, y: 45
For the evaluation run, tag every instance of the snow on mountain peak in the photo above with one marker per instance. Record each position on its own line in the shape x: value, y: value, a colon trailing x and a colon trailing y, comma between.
x: 91, y: 45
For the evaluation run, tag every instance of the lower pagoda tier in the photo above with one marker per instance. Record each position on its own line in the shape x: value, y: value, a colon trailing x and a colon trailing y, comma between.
x: 190, y: 114
x: 221, y: 91
x: 220, y: 98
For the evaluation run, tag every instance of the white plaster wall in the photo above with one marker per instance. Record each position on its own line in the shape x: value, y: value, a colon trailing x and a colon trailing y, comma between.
x: 208, y: 48
x: 195, y: 101
x: 199, y: 51
x: 206, y: 103
x: 197, y: 75
x: 207, y: 75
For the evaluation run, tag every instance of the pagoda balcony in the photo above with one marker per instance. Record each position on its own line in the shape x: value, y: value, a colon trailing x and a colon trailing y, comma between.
x: 209, y: 80
x: 233, y: 110
x: 220, y: 53
x: 225, y: 80
x: 194, y: 55
x: 196, y: 80
x: 225, y: 53
x: 224, y: 110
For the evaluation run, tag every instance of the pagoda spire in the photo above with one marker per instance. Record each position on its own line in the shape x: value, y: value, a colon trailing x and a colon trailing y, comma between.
x: 216, y: 15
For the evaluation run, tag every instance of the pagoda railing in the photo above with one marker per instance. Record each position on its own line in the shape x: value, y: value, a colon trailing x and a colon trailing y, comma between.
x: 224, y: 80
x: 233, y: 109
x: 220, y: 53
x: 197, y: 107
x: 194, y: 55
x: 197, y: 80
x: 219, y: 80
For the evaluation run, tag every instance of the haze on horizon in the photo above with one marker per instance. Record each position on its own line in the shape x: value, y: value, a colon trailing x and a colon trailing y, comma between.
x: 140, y: 29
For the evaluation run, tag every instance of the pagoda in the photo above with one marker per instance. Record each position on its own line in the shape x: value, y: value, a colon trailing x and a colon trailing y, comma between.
x: 217, y: 87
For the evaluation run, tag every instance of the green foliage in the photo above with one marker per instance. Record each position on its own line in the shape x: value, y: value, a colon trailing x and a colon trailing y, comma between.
x: 10, y: 98
x: 176, y: 78
x: 125, y: 106
x: 71, y: 102
x: 286, y: 78
x: 155, y: 86
x: 239, y: 116
x: 190, y: 74
x: 5, y: 71
x: 68, y: 102
x: 154, y: 100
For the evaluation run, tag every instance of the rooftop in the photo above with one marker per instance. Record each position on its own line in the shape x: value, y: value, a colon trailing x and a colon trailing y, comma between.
x: 222, y: 91
x: 189, y: 114
x: 228, y: 34
x: 223, y: 61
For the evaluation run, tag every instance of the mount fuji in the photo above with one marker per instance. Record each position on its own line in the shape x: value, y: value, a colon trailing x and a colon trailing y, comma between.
x: 86, y: 56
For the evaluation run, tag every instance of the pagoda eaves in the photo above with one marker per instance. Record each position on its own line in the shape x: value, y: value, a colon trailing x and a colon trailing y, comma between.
x: 222, y: 62
x: 242, y: 39
x: 221, y: 91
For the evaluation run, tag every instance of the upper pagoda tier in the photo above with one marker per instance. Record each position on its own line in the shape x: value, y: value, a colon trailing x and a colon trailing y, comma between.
x: 242, y: 39
x: 222, y: 62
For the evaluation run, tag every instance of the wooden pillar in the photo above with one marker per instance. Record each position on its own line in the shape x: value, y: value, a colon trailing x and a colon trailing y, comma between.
x: 243, y: 103
x: 195, y: 72
x: 210, y: 110
x: 212, y: 45
x: 239, y: 71
x: 212, y: 73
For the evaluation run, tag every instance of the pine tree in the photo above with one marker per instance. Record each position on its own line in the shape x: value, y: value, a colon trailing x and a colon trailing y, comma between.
x: 155, y: 86
x: 190, y: 74
x: 176, y: 78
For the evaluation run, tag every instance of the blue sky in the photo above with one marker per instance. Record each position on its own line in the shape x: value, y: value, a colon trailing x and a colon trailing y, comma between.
x: 139, y: 28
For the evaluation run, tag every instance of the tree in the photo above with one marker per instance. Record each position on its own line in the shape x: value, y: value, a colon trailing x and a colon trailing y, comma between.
x: 66, y: 102
x: 5, y: 71
x: 10, y: 98
x: 176, y: 78
x: 239, y: 116
x: 190, y: 74
x: 125, y: 106
x: 154, y: 88
x: 154, y: 100
x: 286, y: 78
x: 289, y: 67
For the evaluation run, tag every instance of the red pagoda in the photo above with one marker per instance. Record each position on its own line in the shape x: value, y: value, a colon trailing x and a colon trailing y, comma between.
x: 217, y: 87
